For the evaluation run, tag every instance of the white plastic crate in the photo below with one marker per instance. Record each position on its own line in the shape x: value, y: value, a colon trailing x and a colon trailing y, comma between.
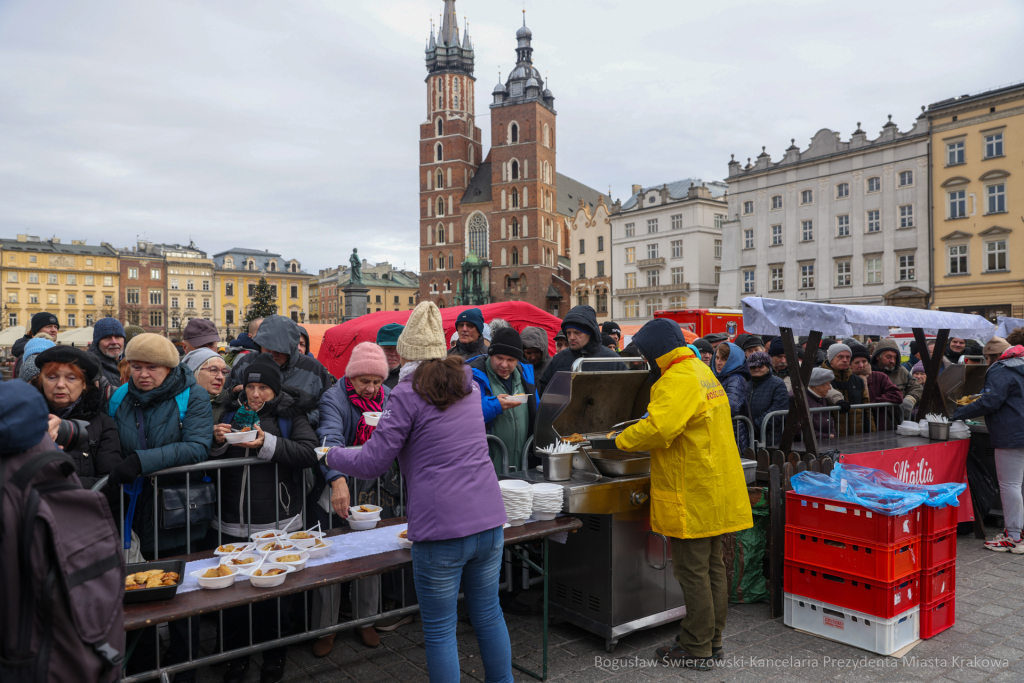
x: 882, y: 636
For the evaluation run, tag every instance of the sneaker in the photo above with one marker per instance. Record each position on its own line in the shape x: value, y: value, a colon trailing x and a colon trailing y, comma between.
x: 393, y: 623
x: 1003, y: 543
x: 673, y: 655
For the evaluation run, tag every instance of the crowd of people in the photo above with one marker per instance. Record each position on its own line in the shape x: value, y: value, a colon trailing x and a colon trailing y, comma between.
x: 147, y: 404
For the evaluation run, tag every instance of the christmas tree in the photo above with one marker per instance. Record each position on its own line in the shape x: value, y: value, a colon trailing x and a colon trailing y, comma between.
x: 262, y: 303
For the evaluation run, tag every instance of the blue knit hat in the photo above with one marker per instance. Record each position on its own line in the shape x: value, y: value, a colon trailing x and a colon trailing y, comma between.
x: 23, y: 416
x: 107, y: 327
x: 389, y: 334
x: 473, y: 316
x: 35, y: 346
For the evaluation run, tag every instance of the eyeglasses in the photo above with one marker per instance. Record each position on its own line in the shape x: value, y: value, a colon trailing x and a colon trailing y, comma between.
x: 214, y: 371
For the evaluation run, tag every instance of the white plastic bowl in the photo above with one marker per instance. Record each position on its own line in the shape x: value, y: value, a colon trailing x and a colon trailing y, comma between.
x: 355, y: 513
x: 362, y: 524
x: 543, y: 516
x: 296, y: 541
x: 259, y: 536
x: 245, y: 548
x: 321, y: 451
x: 514, y: 484
x: 256, y: 558
x: 372, y: 419
x: 285, y: 545
x: 516, y: 522
x: 519, y: 398
x: 316, y: 552
x: 403, y: 542
x: 271, y: 581
x: 214, y: 583
x: 241, y: 437
x: 274, y: 558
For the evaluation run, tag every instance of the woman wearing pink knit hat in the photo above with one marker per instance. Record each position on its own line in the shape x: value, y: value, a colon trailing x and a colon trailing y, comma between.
x: 342, y: 423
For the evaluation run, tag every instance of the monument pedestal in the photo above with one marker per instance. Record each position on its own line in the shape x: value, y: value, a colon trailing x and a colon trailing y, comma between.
x: 357, y: 301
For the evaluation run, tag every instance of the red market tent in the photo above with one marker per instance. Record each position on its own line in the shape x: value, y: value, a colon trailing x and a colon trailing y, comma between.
x: 339, y: 341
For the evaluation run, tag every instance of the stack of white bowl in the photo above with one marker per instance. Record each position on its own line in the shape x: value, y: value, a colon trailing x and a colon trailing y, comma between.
x: 959, y: 430
x: 908, y: 428
x: 547, y: 501
x: 518, y: 497
x: 362, y: 521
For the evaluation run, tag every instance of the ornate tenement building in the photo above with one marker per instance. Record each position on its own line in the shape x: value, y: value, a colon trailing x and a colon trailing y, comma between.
x: 492, y: 228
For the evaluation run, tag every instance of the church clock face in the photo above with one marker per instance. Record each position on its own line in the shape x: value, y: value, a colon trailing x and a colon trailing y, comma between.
x: 517, y: 90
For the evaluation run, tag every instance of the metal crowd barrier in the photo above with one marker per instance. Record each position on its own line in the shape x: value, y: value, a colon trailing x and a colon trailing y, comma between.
x: 736, y: 421
x: 876, y: 417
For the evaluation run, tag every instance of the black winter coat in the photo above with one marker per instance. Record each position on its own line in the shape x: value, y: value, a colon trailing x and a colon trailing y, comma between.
x: 768, y: 394
x: 586, y: 318
x: 292, y: 456
x: 102, y: 453
x: 107, y: 364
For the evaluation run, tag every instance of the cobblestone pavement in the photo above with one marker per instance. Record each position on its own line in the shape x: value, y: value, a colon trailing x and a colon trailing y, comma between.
x: 987, y: 644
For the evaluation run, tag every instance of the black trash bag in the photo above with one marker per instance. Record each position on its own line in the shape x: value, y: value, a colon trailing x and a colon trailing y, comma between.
x: 984, y: 489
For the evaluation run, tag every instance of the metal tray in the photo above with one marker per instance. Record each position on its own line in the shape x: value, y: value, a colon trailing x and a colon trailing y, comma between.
x: 152, y: 594
x: 615, y: 463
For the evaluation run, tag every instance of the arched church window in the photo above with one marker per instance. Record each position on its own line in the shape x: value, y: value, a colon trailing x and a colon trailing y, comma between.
x: 514, y: 230
x: 515, y: 256
x: 513, y: 133
x: 440, y: 128
x: 440, y: 206
x: 451, y: 260
x: 515, y: 198
x: 440, y: 179
x: 440, y: 234
x: 439, y: 153
x: 430, y: 266
x: 515, y: 170
x: 478, y: 235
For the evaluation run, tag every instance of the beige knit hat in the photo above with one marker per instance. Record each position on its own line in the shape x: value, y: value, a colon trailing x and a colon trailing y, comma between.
x: 423, y: 336
x: 152, y: 348
x: 996, y: 345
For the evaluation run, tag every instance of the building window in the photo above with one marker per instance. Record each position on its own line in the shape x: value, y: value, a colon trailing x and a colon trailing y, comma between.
x: 958, y: 204
x: 995, y: 255
x: 72, y: 300
x: 807, y: 276
x: 677, y: 222
x: 719, y: 219
x: 133, y: 273
x: 807, y: 197
x: 907, y: 216
x: 748, y: 282
x: 174, y: 283
x: 996, y: 196
x: 630, y: 254
x: 294, y: 291
x: 90, y: 319
x: 439, y: 152
x: 873, y: 270
x: 582, y: 298
x: 378, y: 299
x: 748, y: 239
x: 600, y: 242
x: 174, y: 300
x: 154, y: 274
x: 430, y: 266
x: 156, y: 297
x: 12, y: 277
x: 993, y: 145
x: 777, y: 280
x: 190, y: 303
x: 583, y: 270
x: 71, y: 279
x: 12, y: 298
x: 131, y: 296
x: 676, y: 302
x: 874, y: 184
x: 515, y: 170
x: 206, y: 285
x: 229, y: 289
x: 906, y: 178
x: 630, y: 280
x: 652, y: 250
x: 33, y: 279
x: 52, y: 299
x: 71, y: 320
x: 12, y: 319
x: 108, y: 281
x: 807, y: 230
x: 748, y: 208
x: 842, y: 273
x: 583, y: 246
x: 229, y: 317
x: 677, y: 276
x: 88, y: 300
x: 51, y: 278
x: 410, y: 301
x: 677, y: 248
x: 515, y: 256
x: 955, y: 153
x: 631, y: 308
x: 653, y: 304
x: 842, y: 190
x: 156, y: 318
x: 654, y: 278
x: 776, y: 202
x: 515, y: 198
x: 776, y: 235
x: 652, y: 225
x: 718, y: 248
x: 907, y: 267
x: 600, y: 268
x: 718, y: 275
x: 874, y: 221
x: 630, y: 229
x: 514, y: 133
x: 843, y: 226
x: 190, y: 285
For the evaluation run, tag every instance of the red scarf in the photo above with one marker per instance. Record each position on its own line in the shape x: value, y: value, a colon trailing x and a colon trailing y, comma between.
x: 373, y: 405
x: 1012, y: 352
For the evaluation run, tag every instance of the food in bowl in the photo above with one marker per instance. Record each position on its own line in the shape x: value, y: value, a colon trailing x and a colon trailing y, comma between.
x: 288, y: 558
x: 404, y: 534
x: 319, y: 544
x: 301, y: 535
x: 269, y: 572
x: 243, y: 560
x: 216, y: 572
x: 154, y: 578
x: 226, y: 548
x: 269, y: 534
x: 276, y: 545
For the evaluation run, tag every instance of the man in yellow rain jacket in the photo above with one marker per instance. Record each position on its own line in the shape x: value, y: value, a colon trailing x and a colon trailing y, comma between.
x: 698, y: 491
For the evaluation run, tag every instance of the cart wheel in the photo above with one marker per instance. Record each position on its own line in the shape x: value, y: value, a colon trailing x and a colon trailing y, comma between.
x: 609, y: 645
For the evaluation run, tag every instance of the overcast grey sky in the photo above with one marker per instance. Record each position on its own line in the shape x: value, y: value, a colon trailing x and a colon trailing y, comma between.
x: 293, y: 126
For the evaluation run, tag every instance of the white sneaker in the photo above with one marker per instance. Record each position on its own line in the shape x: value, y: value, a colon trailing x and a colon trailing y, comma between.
x: 1003, y: 543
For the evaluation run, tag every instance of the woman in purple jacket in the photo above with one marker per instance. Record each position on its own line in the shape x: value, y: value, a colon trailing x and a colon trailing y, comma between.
x: 434, y: 425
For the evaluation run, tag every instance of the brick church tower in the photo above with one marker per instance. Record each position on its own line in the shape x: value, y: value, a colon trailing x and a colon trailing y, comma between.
x: 489, y: 227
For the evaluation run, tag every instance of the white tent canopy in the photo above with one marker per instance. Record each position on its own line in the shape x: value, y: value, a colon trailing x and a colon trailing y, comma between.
x: 9, y: 335
x: 81, y: 336
x: 765, y: 317
x: 1005, y: 326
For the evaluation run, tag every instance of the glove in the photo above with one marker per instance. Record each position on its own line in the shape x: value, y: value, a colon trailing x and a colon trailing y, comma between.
x: 844, y: 406
x: 908, y: 408
x: 126, y: 471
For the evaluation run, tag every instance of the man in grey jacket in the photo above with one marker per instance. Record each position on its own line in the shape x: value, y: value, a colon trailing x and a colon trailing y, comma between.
x: 886, y: 358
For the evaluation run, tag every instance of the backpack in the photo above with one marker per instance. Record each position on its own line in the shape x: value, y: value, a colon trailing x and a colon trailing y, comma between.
x: 61, y: 574
x: 118, y: 396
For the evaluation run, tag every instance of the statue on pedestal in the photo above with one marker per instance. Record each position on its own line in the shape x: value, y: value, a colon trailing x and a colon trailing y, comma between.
x: 356, y: 277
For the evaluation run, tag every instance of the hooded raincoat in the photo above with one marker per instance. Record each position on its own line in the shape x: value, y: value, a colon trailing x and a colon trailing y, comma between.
x: 697, y: 484
x: 537, y: 338
x: 584, y: 318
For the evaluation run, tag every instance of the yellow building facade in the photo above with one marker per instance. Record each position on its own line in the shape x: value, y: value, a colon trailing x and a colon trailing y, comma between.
x: 977, y: 177
x: 76, y: 282
x: 236, y: 274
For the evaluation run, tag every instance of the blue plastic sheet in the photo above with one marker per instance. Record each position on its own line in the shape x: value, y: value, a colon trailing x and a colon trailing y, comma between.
x: 938, y: 494
x: 884, y: 501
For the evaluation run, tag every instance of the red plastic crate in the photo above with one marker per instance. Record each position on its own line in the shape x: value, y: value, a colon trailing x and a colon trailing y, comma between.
x: 881, y: 563
x: 839, y: 518
x: 884, y: 600
x: 938, y: 549
x: 937, y: 616
x: 938, y: 582
x: 936, y: 520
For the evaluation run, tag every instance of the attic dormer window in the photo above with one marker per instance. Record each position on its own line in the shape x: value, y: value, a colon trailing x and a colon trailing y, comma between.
x: 650, y: 200
x: 250, y: 264
x: 273, y: 266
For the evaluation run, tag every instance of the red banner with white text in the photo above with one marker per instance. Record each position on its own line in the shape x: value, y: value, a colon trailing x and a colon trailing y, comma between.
x: 935, y: 463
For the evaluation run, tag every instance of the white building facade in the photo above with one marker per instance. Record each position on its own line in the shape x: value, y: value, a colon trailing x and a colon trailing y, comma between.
x: 841, y: 222
x: 667, y: 248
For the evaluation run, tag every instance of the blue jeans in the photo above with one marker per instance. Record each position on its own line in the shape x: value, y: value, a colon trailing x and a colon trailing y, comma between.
x: 438, y: 569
